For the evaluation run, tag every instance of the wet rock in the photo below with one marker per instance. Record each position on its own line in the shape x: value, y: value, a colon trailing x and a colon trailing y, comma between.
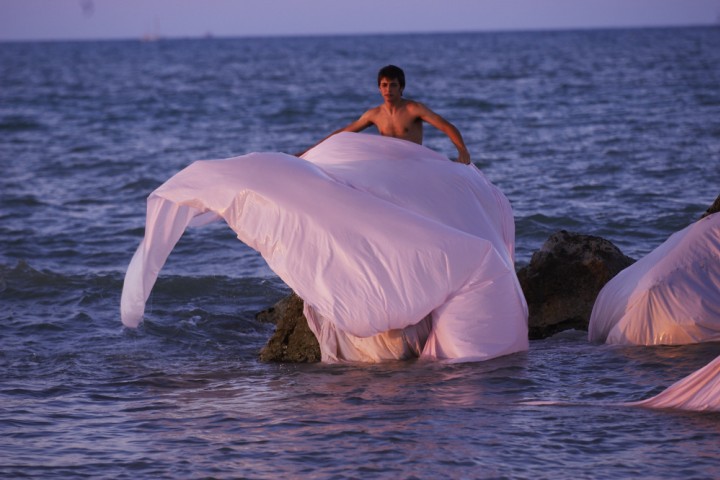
x: 714, y: 208
x: 563, y: 279
x: 293, y: 341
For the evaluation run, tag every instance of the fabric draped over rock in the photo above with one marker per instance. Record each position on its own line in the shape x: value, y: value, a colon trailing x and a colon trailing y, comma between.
x: 395, y: 250
x: 669, y: 297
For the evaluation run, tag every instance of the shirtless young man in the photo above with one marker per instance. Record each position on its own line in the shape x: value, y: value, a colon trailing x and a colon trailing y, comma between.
x: 402, y: 118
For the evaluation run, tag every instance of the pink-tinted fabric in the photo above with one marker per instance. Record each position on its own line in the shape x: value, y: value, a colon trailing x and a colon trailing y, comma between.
x: 671, y: 296
x: 395, y: 250
x: 699, y: 391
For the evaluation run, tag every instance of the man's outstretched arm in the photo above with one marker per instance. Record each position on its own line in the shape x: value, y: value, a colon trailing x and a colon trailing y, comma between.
x: 357, y: 126
x: 448, y: 129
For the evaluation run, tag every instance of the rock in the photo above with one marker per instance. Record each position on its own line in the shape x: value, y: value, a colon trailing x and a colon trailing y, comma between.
x: 714, y: 208
x: 563, y: 279
x: 293, y: 341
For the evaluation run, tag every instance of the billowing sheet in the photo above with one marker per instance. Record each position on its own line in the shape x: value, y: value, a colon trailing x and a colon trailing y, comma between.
x: 669, y: 297
x: 699, y: 391
x: 395, y: 250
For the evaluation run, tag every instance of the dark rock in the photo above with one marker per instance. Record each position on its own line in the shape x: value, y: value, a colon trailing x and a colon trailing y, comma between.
x: 714, y: 208
x: 564, y: 278
x: 293, y: 341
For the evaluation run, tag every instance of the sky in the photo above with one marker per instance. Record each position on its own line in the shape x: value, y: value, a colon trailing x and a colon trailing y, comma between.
x: 115, y: 19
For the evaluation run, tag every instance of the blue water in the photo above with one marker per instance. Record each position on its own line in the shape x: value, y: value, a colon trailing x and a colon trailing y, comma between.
x: 613, y: 133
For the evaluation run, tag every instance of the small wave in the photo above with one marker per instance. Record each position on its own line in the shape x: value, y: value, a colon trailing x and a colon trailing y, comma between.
x: 16, y: 123
x: 707, y: 100
x: 478, y: 104
x: 506, y: 75
x: 547, y: 403
x: 22, y: 276
x: 143, y: 184
x: 85, y: 148
x: 21, y: 201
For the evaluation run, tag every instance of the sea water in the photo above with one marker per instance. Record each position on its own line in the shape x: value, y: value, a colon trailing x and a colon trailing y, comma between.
x: 613, y: 133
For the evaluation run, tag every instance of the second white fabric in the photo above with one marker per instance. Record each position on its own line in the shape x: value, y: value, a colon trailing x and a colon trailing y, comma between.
x: 671, y: 296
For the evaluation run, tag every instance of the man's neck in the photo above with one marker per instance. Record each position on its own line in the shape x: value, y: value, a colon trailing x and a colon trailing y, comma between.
x: 392, y: 107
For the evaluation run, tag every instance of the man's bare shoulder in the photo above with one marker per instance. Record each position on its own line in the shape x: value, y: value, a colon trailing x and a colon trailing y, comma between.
x: 415, y: 107
x: 372, y: 112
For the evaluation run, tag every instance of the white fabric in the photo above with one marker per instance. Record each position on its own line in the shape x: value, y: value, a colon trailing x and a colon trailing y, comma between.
x: 670, y: 297
x: 373, y: 233
x: 699, y: 391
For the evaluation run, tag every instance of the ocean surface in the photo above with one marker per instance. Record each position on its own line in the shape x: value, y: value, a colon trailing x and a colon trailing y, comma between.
x: 613, y: 133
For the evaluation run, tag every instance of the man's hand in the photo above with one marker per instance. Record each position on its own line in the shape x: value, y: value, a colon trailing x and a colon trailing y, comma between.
x: 464, y: 157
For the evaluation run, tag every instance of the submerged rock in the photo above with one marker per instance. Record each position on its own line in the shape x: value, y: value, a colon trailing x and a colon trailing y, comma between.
x: 563, y: 279
x: 293, y: 341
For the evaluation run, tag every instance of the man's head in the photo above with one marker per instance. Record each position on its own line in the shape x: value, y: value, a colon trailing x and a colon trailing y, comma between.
x: 391, y: 72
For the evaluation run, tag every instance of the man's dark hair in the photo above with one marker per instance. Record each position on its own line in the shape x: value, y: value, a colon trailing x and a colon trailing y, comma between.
x: 391, y: 72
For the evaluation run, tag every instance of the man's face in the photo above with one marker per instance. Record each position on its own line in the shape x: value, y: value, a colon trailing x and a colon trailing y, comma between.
x: 390, y: 89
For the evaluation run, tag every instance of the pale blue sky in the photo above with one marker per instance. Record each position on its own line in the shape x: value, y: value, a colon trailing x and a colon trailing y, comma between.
x: 96, y: 19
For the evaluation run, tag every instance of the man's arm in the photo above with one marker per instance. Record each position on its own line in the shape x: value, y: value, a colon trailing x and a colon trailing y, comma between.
x: 357, y: 126
x: 427, y: 115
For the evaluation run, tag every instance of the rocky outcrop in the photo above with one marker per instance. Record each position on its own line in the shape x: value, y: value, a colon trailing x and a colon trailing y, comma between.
x: 563, y: 279
x: 714, y: 208
x: 293, y: 341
